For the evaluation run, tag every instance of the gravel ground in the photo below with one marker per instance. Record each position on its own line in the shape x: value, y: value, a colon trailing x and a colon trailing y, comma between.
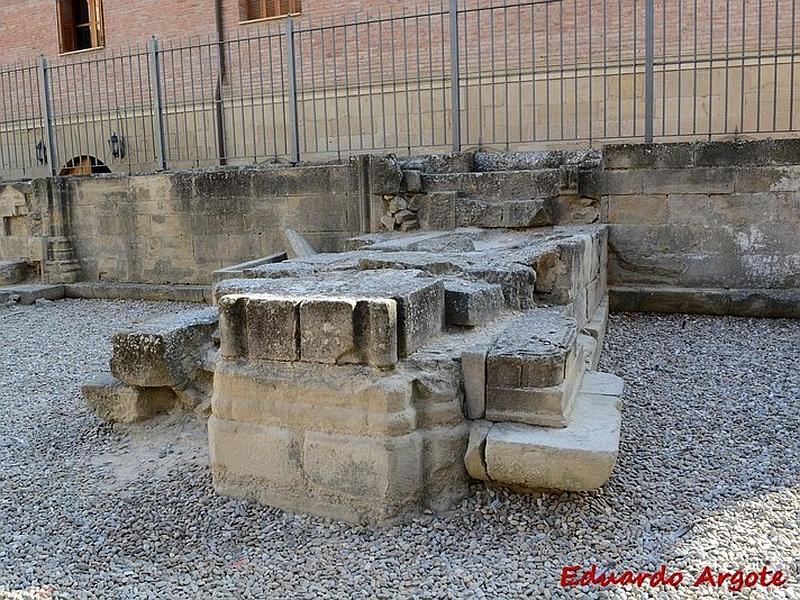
x: 708, y: 475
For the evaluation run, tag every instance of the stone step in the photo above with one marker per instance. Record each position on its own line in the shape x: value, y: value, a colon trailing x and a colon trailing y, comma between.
x: 533, y: 369
x: 579, y: 457
x: 498, y: 186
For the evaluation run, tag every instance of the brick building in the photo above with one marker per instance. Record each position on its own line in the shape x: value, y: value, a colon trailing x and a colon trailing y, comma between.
x: 373, y: 75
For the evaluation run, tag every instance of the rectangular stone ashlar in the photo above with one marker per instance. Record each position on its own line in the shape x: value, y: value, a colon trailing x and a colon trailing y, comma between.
x: 327, y: 330
x: 472, y: 304
x: 378, y: 478
x: 532, y: 369
x: 163, y: 352
x: 272, y: 328
x: 115, y: 402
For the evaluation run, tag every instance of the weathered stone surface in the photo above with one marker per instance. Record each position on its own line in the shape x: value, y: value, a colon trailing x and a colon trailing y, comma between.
x: 532, y: 368
x: 412, y: 181
x: 272, y: 328
x: 296, y: 245
x: 500, y: 186
x: 12, y: 271
x: 475, y: 457
x: 165, y: 352
x: 578, y: 457
x: 437, y: 210
x: 444, y: 476
x: 473, y: 365
x: 518, y: 282
x: 689, y: 181
x: 28, y: 293
x: 476, y: 212
x: 114, y: 402
x: 238, y: 271
x: 648, y: 156
x: 385, y: 175
x: 472, y: 304
x: 255, y: 461
x: 327, y: 330
x: 365, y: 478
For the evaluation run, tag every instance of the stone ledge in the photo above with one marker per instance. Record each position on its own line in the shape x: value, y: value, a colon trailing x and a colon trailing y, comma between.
x: 769, y: 303
x: 199, y: 294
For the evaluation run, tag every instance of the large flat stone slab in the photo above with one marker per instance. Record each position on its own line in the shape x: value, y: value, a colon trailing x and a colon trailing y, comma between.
x: 165, y: 352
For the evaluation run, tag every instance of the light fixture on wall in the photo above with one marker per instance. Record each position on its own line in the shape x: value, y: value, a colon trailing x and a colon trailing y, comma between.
x: 41, y: 152
x: 117, y: 145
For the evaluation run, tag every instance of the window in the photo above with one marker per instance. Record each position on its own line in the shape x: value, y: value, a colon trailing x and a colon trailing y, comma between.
x: 251, y: 10
x: 80, y: 24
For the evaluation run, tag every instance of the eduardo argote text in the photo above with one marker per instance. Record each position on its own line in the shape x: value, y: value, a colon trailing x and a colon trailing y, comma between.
x: 734, y: 581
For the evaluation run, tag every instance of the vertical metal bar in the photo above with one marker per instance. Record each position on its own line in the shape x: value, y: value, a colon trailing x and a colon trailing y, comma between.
x: 158, y: 106
x: 47, y: 115
x: 791, y: 74
x: 775, y: 71
x: 710, y: 67
x: 648, y: 71
x: 294, y: 131
x: 760, y: 49
x: 455, y: 83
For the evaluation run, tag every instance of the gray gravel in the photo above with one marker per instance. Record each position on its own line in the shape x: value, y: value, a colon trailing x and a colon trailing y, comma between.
x: 708, y: 474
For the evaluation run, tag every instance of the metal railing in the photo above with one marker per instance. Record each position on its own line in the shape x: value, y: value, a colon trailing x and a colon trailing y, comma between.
x: 503, y: 75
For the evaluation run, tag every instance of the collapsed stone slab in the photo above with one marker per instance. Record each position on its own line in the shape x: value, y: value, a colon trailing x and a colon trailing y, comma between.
x: 115, y: 402
x: 165, y: 352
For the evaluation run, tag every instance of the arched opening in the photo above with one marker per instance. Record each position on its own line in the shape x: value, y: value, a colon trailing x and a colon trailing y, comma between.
x: 84, y: 165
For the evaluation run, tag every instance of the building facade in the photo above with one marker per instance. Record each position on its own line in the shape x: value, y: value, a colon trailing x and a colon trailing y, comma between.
x: 223, y: 85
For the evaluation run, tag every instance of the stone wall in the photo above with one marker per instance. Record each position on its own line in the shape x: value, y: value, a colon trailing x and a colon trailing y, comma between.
x: 179, y: 227
x: 703, y: 217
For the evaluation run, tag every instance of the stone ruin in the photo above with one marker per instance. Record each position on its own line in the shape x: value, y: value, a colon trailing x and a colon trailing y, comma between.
x: 373, y: 383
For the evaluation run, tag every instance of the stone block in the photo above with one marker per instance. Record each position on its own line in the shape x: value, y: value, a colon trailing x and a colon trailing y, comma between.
x: 412, y: 181
x: 444, y: 476
x: 255, y: 461
x: 472, y: 304
x: 373, y: 479
x: 519, y: 214
x: 327, y: 330
x: 420, y: 316
x: 596, y: 183
x: 348, y: 399
x: 165, y: 352
x: 648, y: 156
x: 114, y: 402
x: 475, y: 457
x: 517, y: 281
x: 638, y: 209
x: 296, y: 245
x: 233, y: 326
x: 689, y: 181
x: 498, y: 186
x: 385, y: 175
x: 437, y: 210
x: 532, y: 369
x: 12, y: 271
x: 29, y: 293
x: 473, y: 365
x: 272, y: 328
x: 579, y: 457
x: 376, y: 332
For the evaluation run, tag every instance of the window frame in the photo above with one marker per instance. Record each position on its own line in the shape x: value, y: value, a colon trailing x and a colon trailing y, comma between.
x: 295, y: 10
x: 65, y: 11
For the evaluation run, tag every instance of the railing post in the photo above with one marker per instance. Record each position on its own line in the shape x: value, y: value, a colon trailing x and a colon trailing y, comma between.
x: 47, y: 115
x: 291, y: 73
x: 648, y: 71
x: 158, y: 106
x: 455, y: 78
